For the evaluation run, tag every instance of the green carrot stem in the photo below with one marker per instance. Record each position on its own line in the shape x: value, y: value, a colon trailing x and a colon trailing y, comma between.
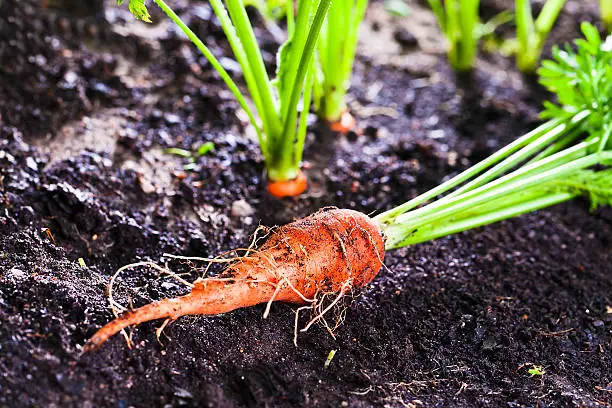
x: 540, y: 131
x: 215, y: 63
x: 528, y: 176
x: 522, y: 154
x: 517, y: 205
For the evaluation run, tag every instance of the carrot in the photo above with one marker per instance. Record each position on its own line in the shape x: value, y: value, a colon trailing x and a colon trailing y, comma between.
x: 331, y: 251
x: 288, y: 188
x: 345, y: 124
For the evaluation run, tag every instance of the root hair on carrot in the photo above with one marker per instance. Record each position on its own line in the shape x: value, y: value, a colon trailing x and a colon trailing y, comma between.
x: 320, y: 308
x: 160, y: 330
x: 117, y: 308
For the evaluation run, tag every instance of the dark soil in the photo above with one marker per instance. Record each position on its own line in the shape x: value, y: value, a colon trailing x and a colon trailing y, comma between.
x: 89, y: 100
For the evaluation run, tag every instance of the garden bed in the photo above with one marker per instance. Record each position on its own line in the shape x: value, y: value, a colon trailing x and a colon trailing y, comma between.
x: 89, y: 103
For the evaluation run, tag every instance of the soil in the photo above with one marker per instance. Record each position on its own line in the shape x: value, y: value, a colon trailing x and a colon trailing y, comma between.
x: 89, y: 102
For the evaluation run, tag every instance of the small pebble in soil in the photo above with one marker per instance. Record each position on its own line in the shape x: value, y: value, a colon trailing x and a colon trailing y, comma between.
x: 371, y: 132
x: 351, y: 136
x: 241, y: 208
x: 409, y: 99
x: 171, y: 119
x: 405, y: 38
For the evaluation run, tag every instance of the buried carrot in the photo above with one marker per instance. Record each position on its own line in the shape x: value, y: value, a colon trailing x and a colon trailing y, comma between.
x: 335, y: 251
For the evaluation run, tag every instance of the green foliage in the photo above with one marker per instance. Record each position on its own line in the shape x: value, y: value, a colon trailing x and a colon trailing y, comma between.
x: 531, y: 34
x: 280, y: 134
x: 564, y: 158
x: 536, y: 370
x: 272, y: 10
x: 582, y: 80
x: 594, y: 185
x: 336, y: 54
x: 179, y: 152
x: 138, y: 8
x: 205, y: 148
x: 459, y: 21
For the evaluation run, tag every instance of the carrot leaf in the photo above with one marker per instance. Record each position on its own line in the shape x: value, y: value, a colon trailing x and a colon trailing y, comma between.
x: 138, y: 8
x: 568, y: 156
x: 594, y: 185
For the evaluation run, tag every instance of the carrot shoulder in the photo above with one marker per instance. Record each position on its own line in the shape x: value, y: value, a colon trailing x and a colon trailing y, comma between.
x: 331, y: 251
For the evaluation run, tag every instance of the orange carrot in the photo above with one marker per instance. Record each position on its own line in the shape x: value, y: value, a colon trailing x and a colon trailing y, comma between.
x: 331, y: 251
x: 288, y: 188
x: 345, y: 124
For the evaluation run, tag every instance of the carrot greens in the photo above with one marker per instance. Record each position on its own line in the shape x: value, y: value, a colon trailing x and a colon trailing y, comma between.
x: 281, y: 128
x: 271, y: 10
x: 532, y: 33
x: 336, y: 54
x: 315, y: 261
x: 605, y: 8
x: 459, y: 21
x: 564, y: 158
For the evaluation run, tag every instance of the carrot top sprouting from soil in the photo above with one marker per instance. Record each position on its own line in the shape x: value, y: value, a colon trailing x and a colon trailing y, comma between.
x: 273, y: 109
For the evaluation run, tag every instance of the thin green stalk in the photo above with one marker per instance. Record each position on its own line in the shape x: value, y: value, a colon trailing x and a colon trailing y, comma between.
x: 288, y: 70
x: 605, y: 8
x: 401, y: 230
x: 539, y: 132
x: 302, y: 126
x: 244, y: 30
x: 215, y: 63
x: 290, y: 18
x: 524, y: 177
x: 560, y: 144
x: 547, y: 17
x: 458, y: 21
x: 525, y: 32
x: 350, y: 45
x: 336, y: 50
x: 282, y: 160
x: 524, y: 153
x: 438, y: 10
x: 531, y: 35
x: 519, y: 203
x: 468, y: 20
x: 235, y: 44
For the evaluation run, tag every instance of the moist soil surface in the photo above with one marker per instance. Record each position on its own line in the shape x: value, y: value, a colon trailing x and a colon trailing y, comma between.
x: 90, y: 101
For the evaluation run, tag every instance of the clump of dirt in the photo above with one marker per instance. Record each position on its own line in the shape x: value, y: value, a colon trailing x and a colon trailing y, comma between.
x: 87, y: 185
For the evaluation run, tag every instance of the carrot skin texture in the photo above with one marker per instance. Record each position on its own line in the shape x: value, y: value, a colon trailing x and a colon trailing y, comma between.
x: 329, y: 251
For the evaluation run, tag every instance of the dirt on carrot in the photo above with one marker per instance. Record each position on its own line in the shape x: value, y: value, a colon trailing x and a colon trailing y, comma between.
x: 330, y: 252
